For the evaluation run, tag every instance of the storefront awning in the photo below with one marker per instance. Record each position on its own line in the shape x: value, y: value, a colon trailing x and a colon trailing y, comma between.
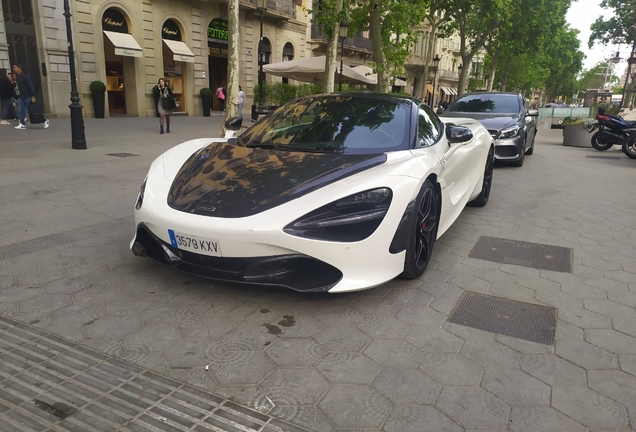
x: 125, y: 44
x: 180, y: 50
x: 399, y: 82
x: 429, y: 88
x: 446, y: 90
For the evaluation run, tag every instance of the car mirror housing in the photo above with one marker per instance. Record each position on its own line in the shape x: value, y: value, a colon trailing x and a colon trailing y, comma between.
x: 234, y: 123
x: 458, y: 134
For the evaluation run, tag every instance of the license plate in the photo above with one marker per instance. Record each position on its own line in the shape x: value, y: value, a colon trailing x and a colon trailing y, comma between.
x: 196, y: 244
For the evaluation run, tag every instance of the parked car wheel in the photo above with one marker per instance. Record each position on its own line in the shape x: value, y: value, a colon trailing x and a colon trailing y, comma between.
x: 422, y: 232
x: 482, y: 198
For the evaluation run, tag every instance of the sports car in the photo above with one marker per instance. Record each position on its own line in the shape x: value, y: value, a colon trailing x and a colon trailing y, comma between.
x: 330, y: 193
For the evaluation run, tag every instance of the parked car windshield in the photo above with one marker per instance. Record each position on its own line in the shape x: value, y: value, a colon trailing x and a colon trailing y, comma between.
x: 486, y: 103
x: 349, y: 124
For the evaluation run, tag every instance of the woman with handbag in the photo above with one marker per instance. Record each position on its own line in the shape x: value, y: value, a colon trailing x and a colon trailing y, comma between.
x: 166, y: 104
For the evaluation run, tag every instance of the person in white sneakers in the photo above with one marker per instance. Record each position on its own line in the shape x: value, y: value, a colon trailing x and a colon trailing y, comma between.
x: 25, y: 92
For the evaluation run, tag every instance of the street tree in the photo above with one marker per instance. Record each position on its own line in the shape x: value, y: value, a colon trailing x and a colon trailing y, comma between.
x: 437, y: 22
x: 620, y: 28
x: 390, y: 24
x: 475, y: 21
x: 231, y: 108
x: 327, y: 15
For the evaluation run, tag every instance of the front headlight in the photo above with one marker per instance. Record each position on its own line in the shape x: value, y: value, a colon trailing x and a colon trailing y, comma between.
x: 509, y: 132
x: 349, y: 219
x: 140, y: 197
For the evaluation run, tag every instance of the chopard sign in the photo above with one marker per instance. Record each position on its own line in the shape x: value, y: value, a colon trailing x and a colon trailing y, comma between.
x: 166, y: 30
x: 112, y: 22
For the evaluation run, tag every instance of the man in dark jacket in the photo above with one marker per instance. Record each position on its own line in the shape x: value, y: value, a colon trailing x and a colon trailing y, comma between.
x: 25, y: 93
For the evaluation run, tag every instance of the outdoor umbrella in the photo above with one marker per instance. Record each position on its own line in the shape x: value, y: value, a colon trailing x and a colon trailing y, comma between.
x: 312, y: 69
x: 368, y: 73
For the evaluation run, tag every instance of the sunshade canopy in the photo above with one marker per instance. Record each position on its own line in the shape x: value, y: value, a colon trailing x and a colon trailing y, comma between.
x: 125, y: 44
x: 368, y: 72
x: 312, y: 69
x: 180, y: 50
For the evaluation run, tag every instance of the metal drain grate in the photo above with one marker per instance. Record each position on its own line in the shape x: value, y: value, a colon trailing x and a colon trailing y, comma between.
x: 122, y: 154
x: 508, y: 317
x: 538, y: 256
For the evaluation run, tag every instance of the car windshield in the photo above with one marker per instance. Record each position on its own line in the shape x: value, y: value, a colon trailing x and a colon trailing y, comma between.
x: 486, y: 103
x: 335, y: 124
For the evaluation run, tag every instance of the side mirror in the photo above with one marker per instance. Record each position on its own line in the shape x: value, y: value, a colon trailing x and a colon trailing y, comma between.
x: 234, y: 123
x: 533, y: 112
x: 458, y: 134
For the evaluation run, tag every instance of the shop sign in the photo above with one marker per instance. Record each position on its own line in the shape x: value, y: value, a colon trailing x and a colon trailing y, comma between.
x: 217, y: 30
x: 114, y: 21
x: 217, y: 52
x: 170, y: 30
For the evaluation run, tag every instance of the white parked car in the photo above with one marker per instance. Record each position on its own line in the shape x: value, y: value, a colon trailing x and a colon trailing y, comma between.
x: 337, y: 192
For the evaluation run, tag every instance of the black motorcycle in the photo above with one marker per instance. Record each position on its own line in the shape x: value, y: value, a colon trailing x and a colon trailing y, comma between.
x: 629, y: 145
x: 611, y: 130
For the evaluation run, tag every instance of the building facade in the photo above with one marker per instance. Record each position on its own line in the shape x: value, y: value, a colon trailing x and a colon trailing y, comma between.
x: 130, y: 44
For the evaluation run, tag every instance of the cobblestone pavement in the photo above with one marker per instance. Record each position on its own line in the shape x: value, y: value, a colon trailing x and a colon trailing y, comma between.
x: 382, y: 359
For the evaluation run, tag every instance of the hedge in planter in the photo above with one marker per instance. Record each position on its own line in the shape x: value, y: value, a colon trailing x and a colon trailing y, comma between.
x: 206, y: 100
x: 98, y: 93
x: 576, y: 132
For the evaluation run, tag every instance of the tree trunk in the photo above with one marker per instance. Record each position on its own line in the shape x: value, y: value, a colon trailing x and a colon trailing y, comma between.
x: 493, y: 70
x: 328, y: 79
x: 506, y: 73
x: 231, y: 104
x: 375, y: 25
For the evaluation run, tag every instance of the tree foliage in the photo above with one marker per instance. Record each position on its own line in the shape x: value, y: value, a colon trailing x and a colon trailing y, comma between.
x: 620, y: 28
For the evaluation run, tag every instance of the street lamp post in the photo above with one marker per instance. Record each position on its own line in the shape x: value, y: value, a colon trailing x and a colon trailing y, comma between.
x: 261, y: 5
x: 459, y: 69
x: 436, y: 61
x: 342, y: 31
x: 78, y: 140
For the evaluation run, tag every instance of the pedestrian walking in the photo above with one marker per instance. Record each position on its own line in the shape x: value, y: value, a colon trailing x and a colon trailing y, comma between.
x: 7, y: 93
x: 166, y: 104
x: 26, y: 92
x: 241, y: 102
x: 220, y: 95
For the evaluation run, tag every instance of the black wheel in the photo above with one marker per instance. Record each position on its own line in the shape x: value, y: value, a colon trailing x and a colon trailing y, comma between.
x: 519, y: 163
x: 600, y: 143
x: 531, y: 149
x: 629, y: 147
x: 482, y: 198
x: 422, y: 232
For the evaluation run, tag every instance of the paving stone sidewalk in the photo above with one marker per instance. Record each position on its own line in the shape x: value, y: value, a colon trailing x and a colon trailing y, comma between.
x: 382, y: 359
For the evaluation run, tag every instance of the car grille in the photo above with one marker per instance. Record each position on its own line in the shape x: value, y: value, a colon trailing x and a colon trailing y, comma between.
x: 493, y: 132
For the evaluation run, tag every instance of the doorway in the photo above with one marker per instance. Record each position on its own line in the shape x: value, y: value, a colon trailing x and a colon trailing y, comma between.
x: 218, y: 76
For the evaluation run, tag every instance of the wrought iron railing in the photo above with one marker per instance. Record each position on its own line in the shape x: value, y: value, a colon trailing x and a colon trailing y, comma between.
x: 356, y: 41
x: 285, y: 7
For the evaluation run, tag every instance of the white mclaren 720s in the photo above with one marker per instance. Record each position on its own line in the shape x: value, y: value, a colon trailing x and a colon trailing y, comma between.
x: 329, y: 193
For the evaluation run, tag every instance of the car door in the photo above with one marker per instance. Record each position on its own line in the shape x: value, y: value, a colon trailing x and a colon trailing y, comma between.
x: 457, y: 177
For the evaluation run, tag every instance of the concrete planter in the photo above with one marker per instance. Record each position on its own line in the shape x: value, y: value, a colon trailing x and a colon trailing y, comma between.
x: 576, y: 136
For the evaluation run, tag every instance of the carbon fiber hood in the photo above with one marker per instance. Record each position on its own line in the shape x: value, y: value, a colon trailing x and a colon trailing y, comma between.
x: 227, y: 180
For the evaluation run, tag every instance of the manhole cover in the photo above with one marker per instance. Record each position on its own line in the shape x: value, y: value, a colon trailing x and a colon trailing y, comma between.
x: 538, y: 256
x: 121, y: 154
x: 508, y: 317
